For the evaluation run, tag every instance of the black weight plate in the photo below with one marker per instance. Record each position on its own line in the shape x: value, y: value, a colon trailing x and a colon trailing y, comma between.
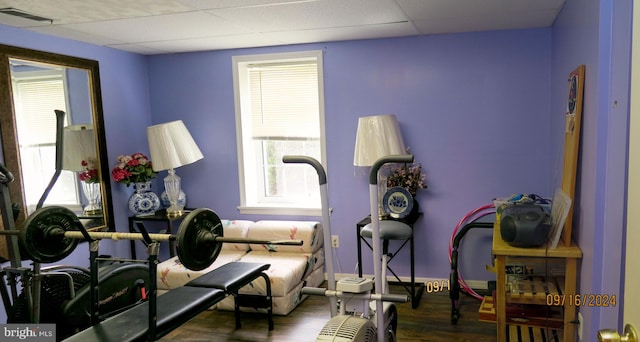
x: 36, y: 242
x: 196, y: 248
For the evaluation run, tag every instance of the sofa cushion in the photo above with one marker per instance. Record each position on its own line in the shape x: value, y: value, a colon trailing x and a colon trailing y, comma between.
x: 282, y: 305
x: 172, y: 274
x: 287, y: 270
x: 235, y: 229
x: 308, y: 231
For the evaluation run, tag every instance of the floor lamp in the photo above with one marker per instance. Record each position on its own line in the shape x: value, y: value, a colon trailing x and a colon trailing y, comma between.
x: 377, y: 137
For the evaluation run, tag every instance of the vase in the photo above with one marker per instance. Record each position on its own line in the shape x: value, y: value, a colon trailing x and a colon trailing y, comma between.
x: 182, y: 200
x: 94, y: 198
x: 143, y: 201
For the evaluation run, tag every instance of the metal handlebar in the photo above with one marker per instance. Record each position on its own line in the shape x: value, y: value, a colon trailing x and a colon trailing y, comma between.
x: 322, y: 176
x: 6, y: 176
x: 399, y: 158
x: 318, y: 291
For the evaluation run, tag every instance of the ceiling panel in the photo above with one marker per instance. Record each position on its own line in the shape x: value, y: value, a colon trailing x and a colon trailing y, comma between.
x: 161, y: 28
x: 314, y: 15
x: 166, y: 26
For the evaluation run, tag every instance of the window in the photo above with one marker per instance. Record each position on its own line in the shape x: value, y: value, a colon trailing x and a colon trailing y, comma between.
x: 36, y: 95
x: 279, y: 111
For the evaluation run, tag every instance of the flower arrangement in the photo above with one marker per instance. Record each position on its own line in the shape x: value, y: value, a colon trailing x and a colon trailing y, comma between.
x: 408, y: 176
x: 90, y: 172
x: 135, y: 168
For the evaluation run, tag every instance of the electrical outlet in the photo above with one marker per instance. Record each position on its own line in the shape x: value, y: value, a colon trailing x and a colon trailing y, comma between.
x: 579, y: 326
x: 335, y: 241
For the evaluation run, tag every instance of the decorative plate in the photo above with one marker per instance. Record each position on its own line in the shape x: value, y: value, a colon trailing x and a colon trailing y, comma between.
x: 397, y: 202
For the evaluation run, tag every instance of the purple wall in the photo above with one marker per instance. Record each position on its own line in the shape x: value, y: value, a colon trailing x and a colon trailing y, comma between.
x: 597, y: 34
x: 474, y: 108
x: 483, y: 113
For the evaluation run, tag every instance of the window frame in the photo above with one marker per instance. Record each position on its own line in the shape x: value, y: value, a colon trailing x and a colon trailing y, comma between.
x: 239, y: 64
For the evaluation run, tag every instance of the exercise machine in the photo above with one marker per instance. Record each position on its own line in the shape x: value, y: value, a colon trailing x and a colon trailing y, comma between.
x: 59, y: 294
x: 199, y: 241
x: 52, y: 233
x: 363, y: 315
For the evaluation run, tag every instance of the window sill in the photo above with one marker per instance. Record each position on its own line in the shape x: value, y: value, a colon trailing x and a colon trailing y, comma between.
x: 280, y: 211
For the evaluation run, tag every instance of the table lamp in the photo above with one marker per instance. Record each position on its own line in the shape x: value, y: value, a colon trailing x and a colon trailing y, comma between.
x: 377, y: 136
x: 171, y: 146
x: 79, y: 155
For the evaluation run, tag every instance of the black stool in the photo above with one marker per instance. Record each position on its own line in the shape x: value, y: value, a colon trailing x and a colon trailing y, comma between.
x: 393, y: 230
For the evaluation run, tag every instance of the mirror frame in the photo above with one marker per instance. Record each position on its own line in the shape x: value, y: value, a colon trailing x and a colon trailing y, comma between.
x: 8, y: 130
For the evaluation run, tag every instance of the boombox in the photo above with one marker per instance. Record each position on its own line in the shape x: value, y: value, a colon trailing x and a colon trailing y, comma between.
x: 525, y: 225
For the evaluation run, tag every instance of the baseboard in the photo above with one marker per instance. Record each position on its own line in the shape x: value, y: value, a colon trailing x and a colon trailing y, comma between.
x: 474, y: 284
x: 478, y: 284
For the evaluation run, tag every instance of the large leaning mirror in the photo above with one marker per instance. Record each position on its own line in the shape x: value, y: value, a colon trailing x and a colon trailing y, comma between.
x: 52, y: 134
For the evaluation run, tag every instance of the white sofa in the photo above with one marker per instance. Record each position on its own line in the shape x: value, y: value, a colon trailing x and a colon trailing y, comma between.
x: 292, y: 267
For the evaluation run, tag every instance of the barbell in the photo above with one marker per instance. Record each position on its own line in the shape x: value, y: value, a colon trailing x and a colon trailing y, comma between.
x: 52, y: 233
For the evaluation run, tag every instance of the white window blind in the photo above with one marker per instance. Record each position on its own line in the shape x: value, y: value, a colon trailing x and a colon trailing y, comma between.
x: 38, y: 100
x: 35, y: 99
x: 284, y: 101
x: 279, y: 111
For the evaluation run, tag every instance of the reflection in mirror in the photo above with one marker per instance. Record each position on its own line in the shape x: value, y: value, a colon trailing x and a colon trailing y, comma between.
x: 38, y: 90
x: 54, y: 165
x: 79, y: 155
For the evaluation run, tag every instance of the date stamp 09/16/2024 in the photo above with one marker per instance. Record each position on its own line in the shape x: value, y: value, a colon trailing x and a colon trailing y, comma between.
x: 582, y: 300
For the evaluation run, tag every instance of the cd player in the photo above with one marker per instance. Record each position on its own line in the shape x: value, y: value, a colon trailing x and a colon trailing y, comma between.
x: 525, y: 225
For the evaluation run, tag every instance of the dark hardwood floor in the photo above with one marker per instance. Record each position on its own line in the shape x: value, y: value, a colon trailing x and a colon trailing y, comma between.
x: 430, y: 321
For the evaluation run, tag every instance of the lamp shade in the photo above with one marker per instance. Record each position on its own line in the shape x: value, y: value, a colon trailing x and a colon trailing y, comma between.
x: 377, y: 136
x: 171, y: 146
x: 78, y: 145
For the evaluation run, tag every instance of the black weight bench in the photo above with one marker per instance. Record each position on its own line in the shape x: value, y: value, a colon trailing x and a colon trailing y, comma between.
x: 133, y: 324
x: 231, y: 278
x: 179, y: 305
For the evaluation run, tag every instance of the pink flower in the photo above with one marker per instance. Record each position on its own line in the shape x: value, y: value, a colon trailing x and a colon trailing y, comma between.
x: 90, y: 172
x: 135, y: 168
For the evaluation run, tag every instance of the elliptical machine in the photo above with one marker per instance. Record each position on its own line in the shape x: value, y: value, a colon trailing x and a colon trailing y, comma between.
x: 363, y: 315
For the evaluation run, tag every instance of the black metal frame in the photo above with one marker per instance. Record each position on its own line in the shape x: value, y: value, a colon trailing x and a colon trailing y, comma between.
x: 152, y: 248
x: 454, y: 293
x: 414, y: 289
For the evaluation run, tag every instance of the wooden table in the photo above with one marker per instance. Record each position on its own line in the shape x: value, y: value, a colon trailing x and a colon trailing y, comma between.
x: 570, y: 254
x: 158, y: 216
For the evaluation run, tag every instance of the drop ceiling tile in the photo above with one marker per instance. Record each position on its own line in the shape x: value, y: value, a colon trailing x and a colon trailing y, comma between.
x: 141, y: 49
x: 346, y: 33
x: 209, y: 43
x: 483, y: 23
x: 219, y: 4
x: 440, y: 9
x: 81, y: 11
x: 64, y: 32
x: 314, y: 15
x: 161, y: 28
